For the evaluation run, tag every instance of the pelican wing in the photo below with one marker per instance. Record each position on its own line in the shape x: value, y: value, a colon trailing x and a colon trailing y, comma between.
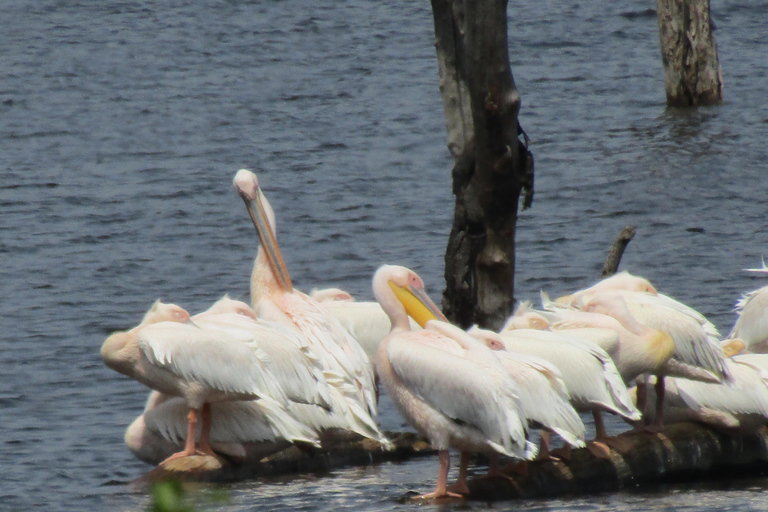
x: 543, y: 395
x: 589, y: 372
x: 461, y: 390
x: 213, y: 359
x: 342, y: 354
x: 693, y: 345
x: 290, y: 361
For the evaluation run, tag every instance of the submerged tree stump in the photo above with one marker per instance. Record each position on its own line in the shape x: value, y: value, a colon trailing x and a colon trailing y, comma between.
x: 692, y: 73
x: 492, y: 166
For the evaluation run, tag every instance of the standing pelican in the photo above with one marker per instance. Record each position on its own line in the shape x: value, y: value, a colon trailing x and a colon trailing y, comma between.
x: 274, y: 298
x: 452, y: 389
x: 244, y: 429
x: 180, y: 359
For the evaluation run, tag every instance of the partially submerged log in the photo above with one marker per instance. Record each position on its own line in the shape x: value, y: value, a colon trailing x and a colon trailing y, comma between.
x: 293, y: 460
x: 683, y: 451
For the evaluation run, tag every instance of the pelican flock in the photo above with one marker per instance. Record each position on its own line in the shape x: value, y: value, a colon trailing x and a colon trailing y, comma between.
x: 241, y: 381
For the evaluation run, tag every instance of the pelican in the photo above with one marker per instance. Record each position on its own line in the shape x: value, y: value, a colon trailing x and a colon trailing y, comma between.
x: 270, y: 428
x: 180, y: 359
x: 331, y: 295
x: 556, y: 318
x: 751, y: 326
x: 739, y: 405
x: 364, y: 320
x: 544, y: 398
x: 593, y: 381
x: 619, y: 281
x: 638, y: 290
x: 240, y: 431
x: 451, y: 388
x: 697, y: 353
x: 274, y: 298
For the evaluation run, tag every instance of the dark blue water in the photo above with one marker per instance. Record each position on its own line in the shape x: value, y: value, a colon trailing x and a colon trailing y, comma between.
x: 122, y: 124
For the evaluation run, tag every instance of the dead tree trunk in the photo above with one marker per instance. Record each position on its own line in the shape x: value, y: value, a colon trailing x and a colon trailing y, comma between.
x: 692, y: 72
x: 492, y: 167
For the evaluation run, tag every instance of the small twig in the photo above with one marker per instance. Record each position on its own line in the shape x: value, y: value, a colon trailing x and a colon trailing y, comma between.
x: 617, y: 251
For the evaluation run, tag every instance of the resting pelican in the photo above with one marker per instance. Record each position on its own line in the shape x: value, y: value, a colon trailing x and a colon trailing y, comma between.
x: 638, y: 290
x: 180, y: 359
x: 620, y: 281
x: 331, y: 295
x: 751, y: 326
x: 452, y: 389
x: 593, y: 381
x: 240, y: 430
x: 274, y: 298
x: 544, y: 398
x: 555, y: 318
x: 739, y: 405
x: 698, y: 354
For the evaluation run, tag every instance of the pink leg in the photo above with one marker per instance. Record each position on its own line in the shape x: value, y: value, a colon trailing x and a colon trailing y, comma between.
x: 189, y: 446
x: 205, y: 432
x: 600, y: 433
x: 441, y: 489
x: 460, y: 487
x: 599, y: 448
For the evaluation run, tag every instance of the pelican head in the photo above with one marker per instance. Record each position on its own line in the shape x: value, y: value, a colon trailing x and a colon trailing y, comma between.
x: 229, y: 305
x: 263, y: 219
x: 525, y: 318
x: 162, y: 312
x: 407, y: 288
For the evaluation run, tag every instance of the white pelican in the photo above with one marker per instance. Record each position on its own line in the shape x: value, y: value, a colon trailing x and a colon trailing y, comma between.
x: 365, y: 321
x: 154, y: 435
x: 554, y: 319
x: 639, y: 290
x: 453, y: 389
x: 619, y: 281
x: 544, y: 398
x: 331, y: 295
x: 752, y: 323
x: 273, y: 297
x: 180, y: 359
x: 593, y: 381
x: 698, y: 354
x: 739, y: 405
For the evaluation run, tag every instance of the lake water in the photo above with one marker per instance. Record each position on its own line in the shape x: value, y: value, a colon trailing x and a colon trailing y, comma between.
x: 122, y: 124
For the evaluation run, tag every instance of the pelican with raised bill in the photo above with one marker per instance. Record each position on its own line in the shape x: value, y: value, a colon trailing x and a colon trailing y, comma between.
x: 446, y: 384
x: 346, y: 365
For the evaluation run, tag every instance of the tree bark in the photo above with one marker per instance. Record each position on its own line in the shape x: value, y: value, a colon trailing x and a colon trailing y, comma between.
x: 692, y: 73
x: 492, y: 167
